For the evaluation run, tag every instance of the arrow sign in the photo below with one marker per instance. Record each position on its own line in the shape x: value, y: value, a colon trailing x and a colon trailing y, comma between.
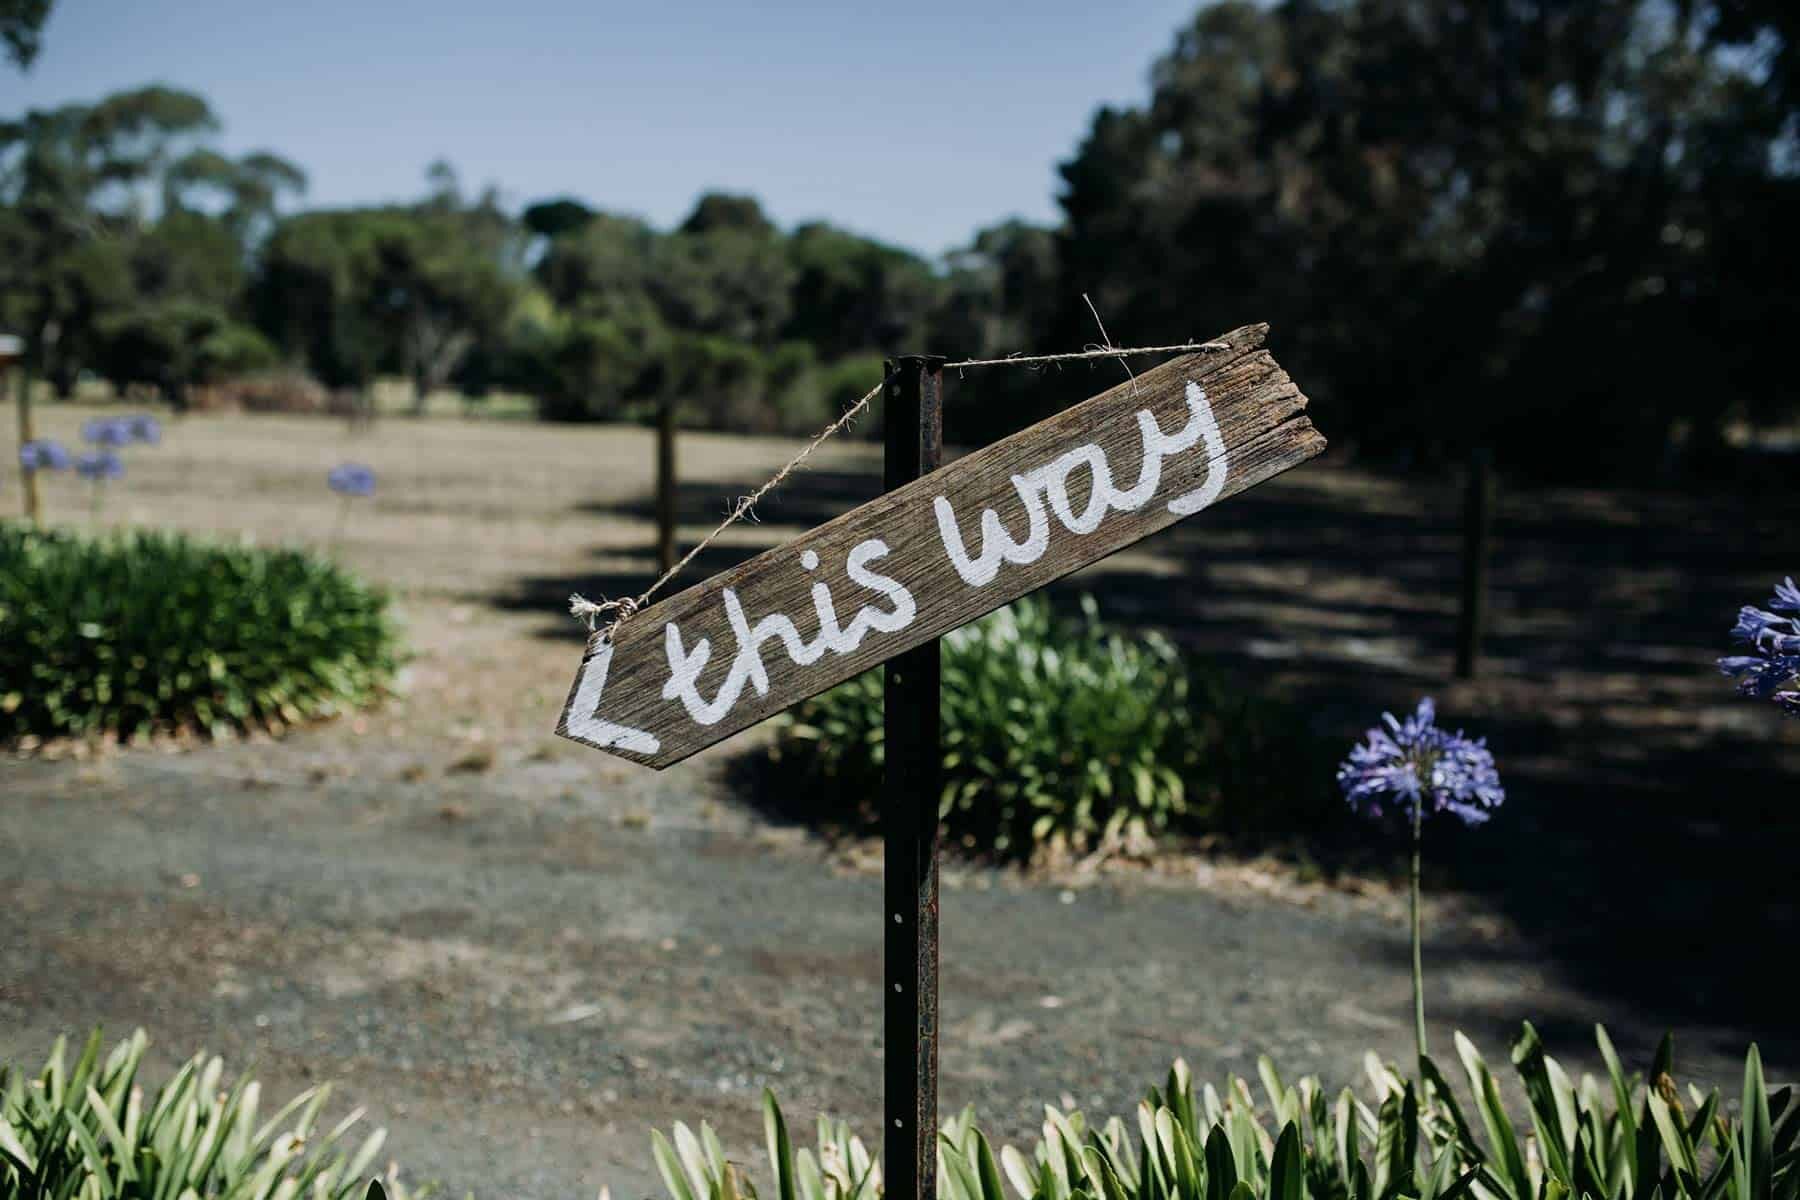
x: 921, y: 560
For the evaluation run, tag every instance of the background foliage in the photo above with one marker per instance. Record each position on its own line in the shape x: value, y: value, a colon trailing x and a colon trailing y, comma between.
x: 142, y: 632
x: 1066, y: 735
x: 1464, y: 222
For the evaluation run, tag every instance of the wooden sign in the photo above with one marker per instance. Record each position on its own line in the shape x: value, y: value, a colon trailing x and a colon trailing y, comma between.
x: 921, y: 560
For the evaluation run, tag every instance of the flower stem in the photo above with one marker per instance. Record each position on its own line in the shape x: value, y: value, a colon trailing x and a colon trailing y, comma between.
x: 1418, y: 969
x: 337, y: 527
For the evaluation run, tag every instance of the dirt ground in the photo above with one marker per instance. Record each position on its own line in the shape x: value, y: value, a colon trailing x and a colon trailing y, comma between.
x: 520, y: 954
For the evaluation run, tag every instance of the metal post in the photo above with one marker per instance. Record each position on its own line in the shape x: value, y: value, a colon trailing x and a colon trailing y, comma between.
x: 1478, y: 512
x: 665, y: 485
x: 914, y: 433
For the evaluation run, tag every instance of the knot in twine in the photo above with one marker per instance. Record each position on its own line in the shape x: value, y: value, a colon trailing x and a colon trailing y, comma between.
x: 624, y: 608
x: 589, y: 613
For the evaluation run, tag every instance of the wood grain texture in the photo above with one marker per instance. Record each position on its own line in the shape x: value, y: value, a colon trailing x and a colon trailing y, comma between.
x: 618, y: 701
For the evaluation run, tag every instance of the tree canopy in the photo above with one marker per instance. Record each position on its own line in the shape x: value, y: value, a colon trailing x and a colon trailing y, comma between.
x: 111, y: 260
x: 1552, y: 227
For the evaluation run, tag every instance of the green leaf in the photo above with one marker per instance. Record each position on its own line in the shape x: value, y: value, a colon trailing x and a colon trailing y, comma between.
x: 1628, y: 1129
x: 1287, y: 1180
x: 781, y: 1150
x: 669, y: 1167
x: 693, y: 1161
x: 1756, y: 1144
x: 1674, y: 1138
x: 1501, y: 1138
x: 958, y: 1175
x: 1349, y: 1149
x: 987, y: 1169
x: 1018, y: 1172
x: 110, y: 1128
x: 1222, y: 1179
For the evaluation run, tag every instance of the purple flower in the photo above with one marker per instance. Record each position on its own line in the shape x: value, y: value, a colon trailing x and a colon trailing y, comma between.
x: 143, y: 428
x: 1413, y: 762
x: 43, y: 455
x: 107, y: 431
x: 1774, y: 670
x: 1760, y: 677
x: 1787, y: 596
x: 1766, y: 631
x: 103, y: 464
x: 352, y: 479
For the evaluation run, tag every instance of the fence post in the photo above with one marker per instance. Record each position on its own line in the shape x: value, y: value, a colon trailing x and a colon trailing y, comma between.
x: 914, y: 446
x: 1478, y: 517
x: 665, y: 485
x: 28, y: 480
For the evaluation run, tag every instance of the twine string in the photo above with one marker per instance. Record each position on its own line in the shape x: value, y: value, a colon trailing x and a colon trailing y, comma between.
x: 624, y: 608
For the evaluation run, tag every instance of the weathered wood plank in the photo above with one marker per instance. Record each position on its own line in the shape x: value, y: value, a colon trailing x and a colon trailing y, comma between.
x: 926, y: 558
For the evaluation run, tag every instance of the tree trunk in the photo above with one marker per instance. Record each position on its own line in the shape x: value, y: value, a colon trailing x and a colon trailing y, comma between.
x: 1478, y: 516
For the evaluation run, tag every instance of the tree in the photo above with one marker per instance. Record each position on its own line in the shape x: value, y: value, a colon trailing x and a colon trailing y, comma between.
x: 245, y: 192
x: 554, y: 218
x: 116, y: 219
x: 304, y: 295
x: 415, y: 289
x: 716, y: 211
x: 175, y: 344
x: 22, y: 28
x: 852, y: 294
x: 1465, y: 222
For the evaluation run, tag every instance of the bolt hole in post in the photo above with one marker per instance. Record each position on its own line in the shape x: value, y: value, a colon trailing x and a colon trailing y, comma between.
x: 914, y: 444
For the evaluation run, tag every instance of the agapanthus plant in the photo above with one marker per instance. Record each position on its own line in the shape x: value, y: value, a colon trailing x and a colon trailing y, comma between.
x: 107, y: 431
x: 97, y: 468
x: 144, y: 428
x: 351, y: 481
x: 1773, y: 672
x: 42, y: 454
x: 1408, y: 770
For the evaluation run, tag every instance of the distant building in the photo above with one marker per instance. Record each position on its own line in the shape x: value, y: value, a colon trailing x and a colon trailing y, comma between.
x: 12, y: 348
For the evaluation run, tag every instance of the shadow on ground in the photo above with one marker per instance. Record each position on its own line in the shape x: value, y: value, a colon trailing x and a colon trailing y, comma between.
x: 1649, y: 843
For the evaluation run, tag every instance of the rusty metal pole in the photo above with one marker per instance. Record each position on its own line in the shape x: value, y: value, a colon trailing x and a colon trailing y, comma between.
x: 914, y: 434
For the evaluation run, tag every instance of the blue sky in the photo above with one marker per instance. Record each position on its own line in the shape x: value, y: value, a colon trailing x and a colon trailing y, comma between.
x: 914, y: 123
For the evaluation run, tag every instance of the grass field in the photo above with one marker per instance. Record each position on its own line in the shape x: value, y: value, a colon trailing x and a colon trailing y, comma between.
x: 520, y: 952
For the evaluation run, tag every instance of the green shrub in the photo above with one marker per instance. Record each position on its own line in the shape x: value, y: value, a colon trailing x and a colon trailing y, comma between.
x: 1614, y: 1139
x: 89, y: 1132
x: 1064, y: 733
x: 139, y: 632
